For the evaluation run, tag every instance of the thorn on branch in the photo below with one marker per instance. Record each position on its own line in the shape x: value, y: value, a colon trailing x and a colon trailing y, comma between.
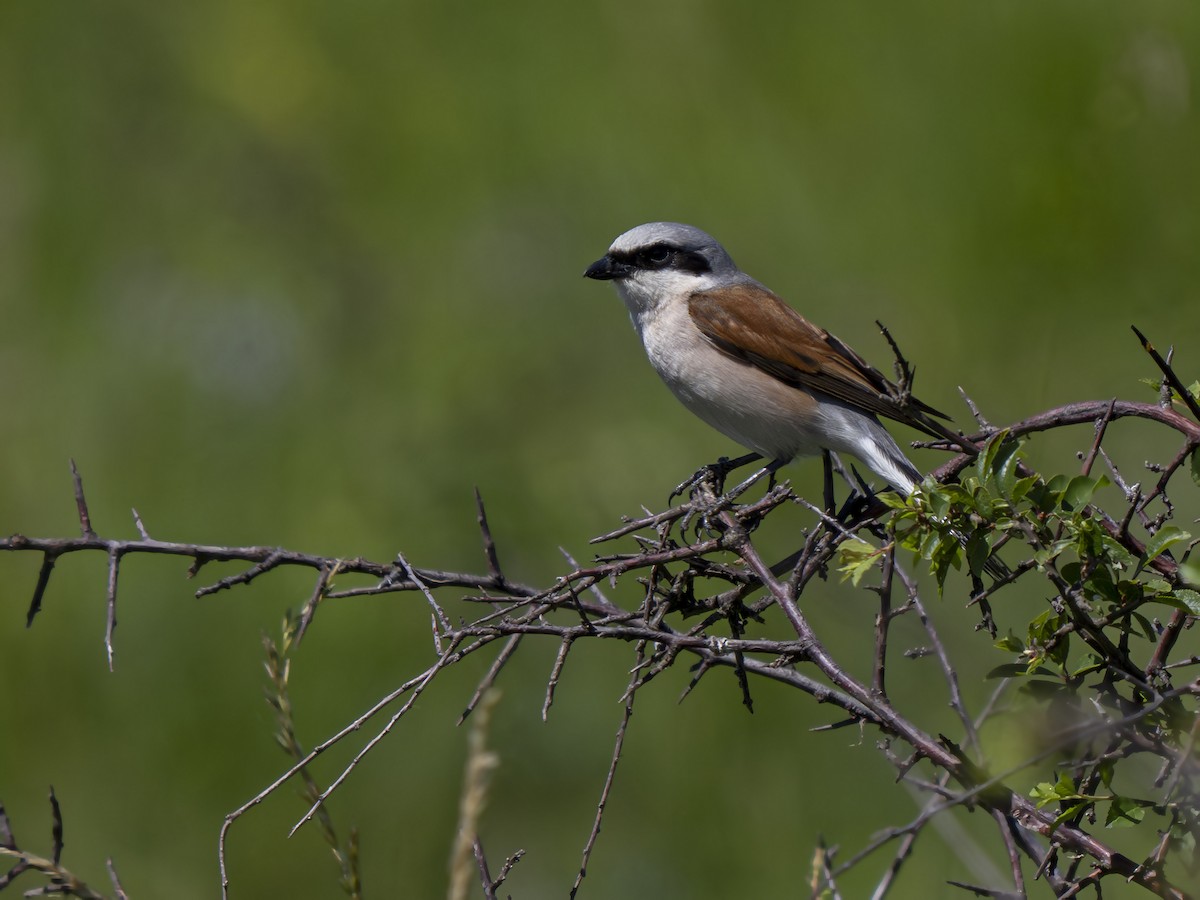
x: 61, y: 881
x: 114, y: 564
x: 555, y: 673
x: 984, y: 425
x: 85, y: 520
x: 118, y: 890
x: 699, y: 670
x: 834, y: 726
x: 822, y: 877
x: 273, y: 559
x: 594, y: 588
x: 1101, y: 428
x: 739, y: 664
x: 1164, y: 366
x: 904, y: 370
x: 56, y: 829
x: 485, y: 875
x: 985, y: 892
x: 507, y: 868
x: 505, y: 654
x: 6, y: 836
x: 39, y: 590
x: 315, y: 598
x: 612, y: 774
x: 489, y: 544
x: 440, y: 618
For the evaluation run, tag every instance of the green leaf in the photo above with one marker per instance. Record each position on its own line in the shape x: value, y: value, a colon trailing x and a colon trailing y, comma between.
x: 1044, y: 793
x: 1022, y: 487
x: 857, y: 558
x: 892, y: 500
x: 985, y: 462
x: 1189, y: 571
x: 1044, y: 625
x: 1120, y: 557
x: 1190, y: 598
x: 977, y: 552
x: 1008, y: 670
x: 930, y: 540
x: 1011, y: 643
x: 1181, y: 598
x: 1071, y: 812
x: 1006, y: 470
x: 1063, y: 789
x: 1094, y: 664
x: 1165, y: 537
x: 1079, y: 490
x: 1147, y: 628
x: 938, y: 502
x: 1046, y: 554
x: 1101, y: 584
x: 1051, y: 496
x: 1044, y: 690
x: 1125, y: 812
x: 1196, y: 466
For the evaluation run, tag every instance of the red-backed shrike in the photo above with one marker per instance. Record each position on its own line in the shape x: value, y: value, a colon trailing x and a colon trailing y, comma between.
x: 748, y: 364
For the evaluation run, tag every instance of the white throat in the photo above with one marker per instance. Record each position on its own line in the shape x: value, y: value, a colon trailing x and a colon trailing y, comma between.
x: 648, y: 294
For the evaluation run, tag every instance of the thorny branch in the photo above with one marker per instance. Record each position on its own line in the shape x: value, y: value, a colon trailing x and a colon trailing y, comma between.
x: 698, y: 561
x: 60, y: 880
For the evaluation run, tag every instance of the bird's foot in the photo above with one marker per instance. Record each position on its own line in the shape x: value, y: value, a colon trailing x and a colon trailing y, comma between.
x: 713, y: 476
x: 707, y: 501
x: 856, y: 506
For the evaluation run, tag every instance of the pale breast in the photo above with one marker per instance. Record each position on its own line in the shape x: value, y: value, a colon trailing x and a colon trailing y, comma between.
x: 742, y: 402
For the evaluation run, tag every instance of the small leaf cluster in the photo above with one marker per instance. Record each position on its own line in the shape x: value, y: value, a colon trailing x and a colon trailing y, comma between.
x: 1090, y: 653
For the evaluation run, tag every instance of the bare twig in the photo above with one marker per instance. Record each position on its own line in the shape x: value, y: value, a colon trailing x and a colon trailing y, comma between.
x: 325, y: 575
x: 559, y: 661
x: 118, y: 890
x: 710, y: 540
x: 61, y: 881
x: 85, y: 520
x: 489, y: 544
x: 618, y: 746
x: 485, y: 874
x: 114, y: 563
x: 1169, y: 373
x: 489, y: 680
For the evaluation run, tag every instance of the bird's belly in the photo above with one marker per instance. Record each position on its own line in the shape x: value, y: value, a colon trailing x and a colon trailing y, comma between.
x: 751, y: 415
x: 745, y: 404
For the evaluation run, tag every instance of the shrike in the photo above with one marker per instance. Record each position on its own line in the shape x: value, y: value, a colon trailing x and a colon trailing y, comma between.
x: 748, y: 364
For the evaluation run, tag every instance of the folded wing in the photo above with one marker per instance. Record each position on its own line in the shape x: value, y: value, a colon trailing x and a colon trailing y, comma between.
x: 788, y: 347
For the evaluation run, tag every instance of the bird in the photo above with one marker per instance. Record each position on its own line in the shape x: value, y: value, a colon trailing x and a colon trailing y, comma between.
x: 745, y: 362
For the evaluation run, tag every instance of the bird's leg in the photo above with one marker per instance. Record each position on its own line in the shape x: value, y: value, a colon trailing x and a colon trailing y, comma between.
x: 859, y: 491
x: 859, y: 500
x: 769, y: 469
x: 717, y: 472
x: 830, y: 500
x: 707, y: 504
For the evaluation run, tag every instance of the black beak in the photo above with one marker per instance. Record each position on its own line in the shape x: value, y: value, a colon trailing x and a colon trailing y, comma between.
x: 606, y: 269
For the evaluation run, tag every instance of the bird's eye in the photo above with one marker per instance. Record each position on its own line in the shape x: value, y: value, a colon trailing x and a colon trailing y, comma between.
x: 656, y: 257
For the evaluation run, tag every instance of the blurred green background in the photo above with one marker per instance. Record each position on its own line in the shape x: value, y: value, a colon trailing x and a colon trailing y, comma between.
x: 302, y: 274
